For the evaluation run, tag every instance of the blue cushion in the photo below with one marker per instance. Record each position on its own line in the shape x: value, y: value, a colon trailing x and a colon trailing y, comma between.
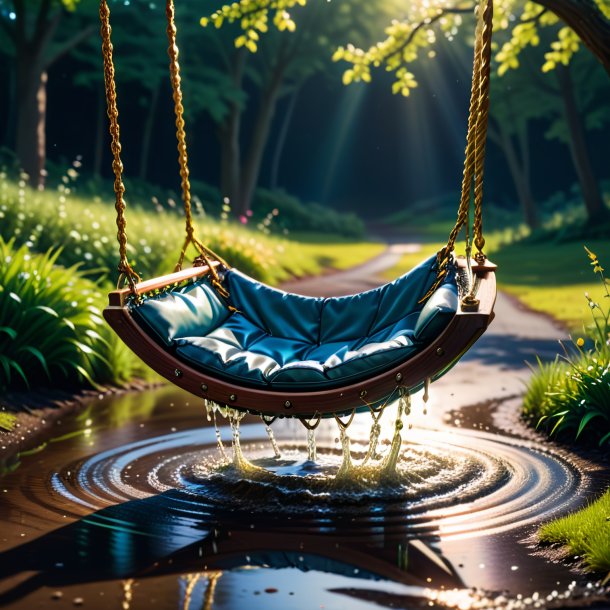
x: 194, y: 310
x: 282, y: 340
x: 436, y: 313
x: 281, y: 314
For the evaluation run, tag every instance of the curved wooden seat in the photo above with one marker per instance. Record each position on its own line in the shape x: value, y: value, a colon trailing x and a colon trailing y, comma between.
x: 430, y: 363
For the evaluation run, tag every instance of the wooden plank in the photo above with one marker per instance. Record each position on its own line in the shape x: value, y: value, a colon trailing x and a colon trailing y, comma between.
x: 118, y: 298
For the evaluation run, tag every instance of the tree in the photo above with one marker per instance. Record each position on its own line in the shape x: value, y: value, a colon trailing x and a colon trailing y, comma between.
x: 39, y: 33
x: 571, y: 99
x: 283, y: 63
x: 574, y: 22
x: 512, y: 112
x: 583, y: 94
x: 586, y: 21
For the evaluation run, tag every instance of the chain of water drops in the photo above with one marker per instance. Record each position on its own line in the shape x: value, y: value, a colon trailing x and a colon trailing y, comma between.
x: 386, y: 466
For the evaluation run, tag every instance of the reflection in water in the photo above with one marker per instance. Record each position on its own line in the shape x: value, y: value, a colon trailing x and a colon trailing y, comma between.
x: 167, y: 501
x: 199, y: 589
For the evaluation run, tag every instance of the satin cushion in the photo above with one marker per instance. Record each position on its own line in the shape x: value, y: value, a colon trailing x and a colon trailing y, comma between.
x: 279, y: 313
x: 436, y: 313
x: 283, y: 340
x: 194, y: 310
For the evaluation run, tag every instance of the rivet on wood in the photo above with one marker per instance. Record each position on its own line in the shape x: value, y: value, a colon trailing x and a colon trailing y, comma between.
x: 178, y: 373
x: 233, y: 398
x: 204, y: 387
x: 288, y: 404
x: 440, y: 351
x: 398, y: 376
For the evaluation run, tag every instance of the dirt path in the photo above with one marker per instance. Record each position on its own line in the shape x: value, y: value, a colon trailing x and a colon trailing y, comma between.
x: 494, y: 368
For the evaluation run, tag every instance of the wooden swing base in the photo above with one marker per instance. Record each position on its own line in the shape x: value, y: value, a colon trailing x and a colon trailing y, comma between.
x: 462, y: 331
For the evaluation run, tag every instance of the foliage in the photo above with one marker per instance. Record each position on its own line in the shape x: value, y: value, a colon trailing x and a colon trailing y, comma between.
x: 86, y: 229
x: 7, y: 421
x: 571, y: 399
x: 293, y: 215
x: 407, y: 38
x: 287, y: 212
x: 49, y: 320
x: 585, y: 534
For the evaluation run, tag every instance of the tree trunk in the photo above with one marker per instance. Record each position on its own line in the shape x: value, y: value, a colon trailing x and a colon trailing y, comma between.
x: 31, y: 102
x: 258, y: 143
x: 148, y: 131
x: 228, y: 133
x: 100, y: 134
x: 519, y: 174
x: 589, y: 23
x: 281, y: 140
x: 593, y: 201
x: 230, y: 154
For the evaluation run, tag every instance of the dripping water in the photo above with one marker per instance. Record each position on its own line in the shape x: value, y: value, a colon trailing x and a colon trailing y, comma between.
x: 276, y: 449
x: 312, y: 454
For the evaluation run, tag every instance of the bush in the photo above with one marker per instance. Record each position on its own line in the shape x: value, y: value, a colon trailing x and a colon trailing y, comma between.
x: 49, y: 320
x: 86, y: 230
x: 570, y: 398
x: 293, y: 215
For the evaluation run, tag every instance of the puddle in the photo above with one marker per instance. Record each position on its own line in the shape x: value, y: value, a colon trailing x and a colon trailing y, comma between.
x: 134, y: 507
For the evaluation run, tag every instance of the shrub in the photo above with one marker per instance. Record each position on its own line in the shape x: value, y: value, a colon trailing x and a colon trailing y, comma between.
x: 86, y: 230
x: 49, y: 320
x: 294, y: 215
x: 571, y: 398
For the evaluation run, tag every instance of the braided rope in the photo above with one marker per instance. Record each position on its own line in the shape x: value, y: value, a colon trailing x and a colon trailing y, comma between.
x: 478, y: 114
x: 481, y: 128
x: 125, y: 269
x: 174, y: 66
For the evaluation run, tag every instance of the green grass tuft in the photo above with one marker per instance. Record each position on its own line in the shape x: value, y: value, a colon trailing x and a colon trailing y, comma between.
x: 7, y: 421
x: 49, y: 320
x: 585, y: 534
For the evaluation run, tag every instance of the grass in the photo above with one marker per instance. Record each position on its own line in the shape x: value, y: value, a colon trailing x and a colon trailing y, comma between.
x: 7, y: 421
x: 49, y: 320
x: 329, y: 251
x: 546, y: 277
x: 584, y: 534
x: 86, y: 230
x: 570, y: 398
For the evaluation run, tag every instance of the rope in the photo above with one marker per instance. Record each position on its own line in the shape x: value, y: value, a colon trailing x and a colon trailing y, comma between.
x: 478, y: 114
x: 125, y: 269
x: 482, y: 123
x: 174, y: 66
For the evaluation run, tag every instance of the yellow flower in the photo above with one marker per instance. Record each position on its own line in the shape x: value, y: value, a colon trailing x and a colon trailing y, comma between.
x: 580, y: 341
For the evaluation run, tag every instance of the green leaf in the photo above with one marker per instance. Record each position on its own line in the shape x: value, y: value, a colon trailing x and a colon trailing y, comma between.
x: 48, y: 310
x: 38, y: 355
x: 11, y: 332
x: 16, y: 366
x: 557, y: 425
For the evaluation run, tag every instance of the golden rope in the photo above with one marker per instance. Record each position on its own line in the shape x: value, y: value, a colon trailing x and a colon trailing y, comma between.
x: 475, y: 145
x: 481, y: 128
x: 174, y: 65
x: 125, y: 269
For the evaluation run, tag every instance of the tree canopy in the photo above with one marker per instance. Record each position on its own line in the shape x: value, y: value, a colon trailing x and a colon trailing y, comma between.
x: 414, y: 33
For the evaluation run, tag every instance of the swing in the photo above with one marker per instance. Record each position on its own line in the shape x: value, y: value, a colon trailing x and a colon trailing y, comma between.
x: 234, y: 341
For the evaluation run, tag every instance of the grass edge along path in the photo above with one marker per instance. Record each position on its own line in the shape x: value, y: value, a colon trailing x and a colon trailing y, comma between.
x: 584, y: 534
x: 546, y: 277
